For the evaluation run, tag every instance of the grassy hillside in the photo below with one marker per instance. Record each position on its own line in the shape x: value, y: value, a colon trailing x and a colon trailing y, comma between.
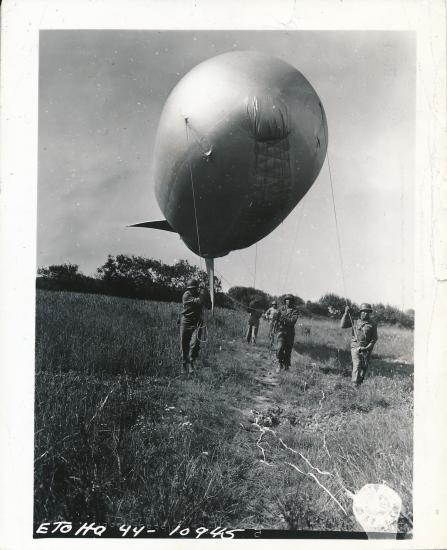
x: 122, y: 438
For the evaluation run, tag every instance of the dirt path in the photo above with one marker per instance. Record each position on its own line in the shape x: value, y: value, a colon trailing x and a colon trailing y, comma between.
x: 261, y: 361
x: 266, y: 379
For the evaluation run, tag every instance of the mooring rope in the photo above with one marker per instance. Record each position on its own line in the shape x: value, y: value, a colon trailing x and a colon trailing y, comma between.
x: 298, y: 224
x: 204, y: 330
x: 194, y: 198
x: 337, y: 230
x: 241, y: 304
x: 256, y: 262
x: 203, y: 327
x: 264, y: 430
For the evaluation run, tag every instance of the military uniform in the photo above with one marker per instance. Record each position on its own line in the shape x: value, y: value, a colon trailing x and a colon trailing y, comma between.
x: 364, y: 335
x: 191, y: 327
x: 253, y: 324
x: 285, y: 326
x: 272, y: 317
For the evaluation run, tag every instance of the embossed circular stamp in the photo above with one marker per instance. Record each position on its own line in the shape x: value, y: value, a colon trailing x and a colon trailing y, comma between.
x: 377, y: 508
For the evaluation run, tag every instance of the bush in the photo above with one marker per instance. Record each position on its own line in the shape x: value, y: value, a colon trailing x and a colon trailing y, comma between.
x: 247, y: 295
x: 66, y: 277
x: 314, y: 308
x: 393, y: 316
x: 335, y: 304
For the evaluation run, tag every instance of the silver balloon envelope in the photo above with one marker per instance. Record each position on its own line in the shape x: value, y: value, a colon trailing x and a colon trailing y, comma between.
x: 241, y: 139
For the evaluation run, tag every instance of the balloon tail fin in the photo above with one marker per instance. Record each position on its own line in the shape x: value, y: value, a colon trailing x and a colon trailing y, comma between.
x: 210, y: 270
x: 157, y: 224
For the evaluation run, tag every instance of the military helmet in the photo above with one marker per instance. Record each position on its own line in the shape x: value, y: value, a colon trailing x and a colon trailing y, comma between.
x: 366, y: 307
x: 289, y: 297
x: 274, y: 303
x: 192, y: 283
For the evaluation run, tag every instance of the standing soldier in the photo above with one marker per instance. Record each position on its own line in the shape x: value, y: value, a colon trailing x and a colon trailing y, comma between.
x: 253, y: 322
x: 191, y: 324
x: 287, y: 317
x: 364, y: 336
x: 272, y: 316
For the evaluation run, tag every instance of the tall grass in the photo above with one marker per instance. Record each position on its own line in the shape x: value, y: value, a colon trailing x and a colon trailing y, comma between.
x: 120, y: 437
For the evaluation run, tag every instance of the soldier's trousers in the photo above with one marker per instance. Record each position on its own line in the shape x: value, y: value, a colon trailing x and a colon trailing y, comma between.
x: 285, y: 345
x: 360, y: 362
x: 252, y: 332
x: 190, y: 342
x: 272, y: 332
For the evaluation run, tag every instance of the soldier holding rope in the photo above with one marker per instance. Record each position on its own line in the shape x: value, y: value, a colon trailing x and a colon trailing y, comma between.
x: 364, y: 337
x: 191, y: 324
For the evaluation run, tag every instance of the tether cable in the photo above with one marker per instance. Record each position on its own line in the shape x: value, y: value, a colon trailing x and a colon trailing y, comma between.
x: 298, y: 223
x: 203, y: 326
x: 337, y: 230
x: 244, y: 264
x: 256, y: 261
x: 193, y: 197
x: 202, y: 329
x: 241, y: 304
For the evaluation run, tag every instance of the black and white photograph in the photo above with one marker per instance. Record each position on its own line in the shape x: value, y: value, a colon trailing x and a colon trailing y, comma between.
x: 225, y: 283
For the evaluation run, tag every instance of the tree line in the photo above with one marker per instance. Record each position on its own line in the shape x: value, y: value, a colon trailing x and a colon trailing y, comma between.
x: 149, y: 279
x: 129, y: 277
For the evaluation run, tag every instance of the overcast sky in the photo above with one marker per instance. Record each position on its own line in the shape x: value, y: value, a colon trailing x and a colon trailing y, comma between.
x: 100, y: 98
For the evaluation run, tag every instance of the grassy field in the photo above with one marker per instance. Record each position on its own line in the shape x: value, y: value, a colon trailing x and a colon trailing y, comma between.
x: 120, y: 437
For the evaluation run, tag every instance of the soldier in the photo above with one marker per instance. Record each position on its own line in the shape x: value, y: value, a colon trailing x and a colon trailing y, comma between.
x: 287, y: 317
x: 191, y: 324
x: 272, y: 316
x: 364, y: 337
x: 253, y: 322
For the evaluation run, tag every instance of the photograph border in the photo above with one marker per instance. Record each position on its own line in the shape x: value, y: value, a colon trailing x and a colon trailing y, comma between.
x: 21, y: 22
